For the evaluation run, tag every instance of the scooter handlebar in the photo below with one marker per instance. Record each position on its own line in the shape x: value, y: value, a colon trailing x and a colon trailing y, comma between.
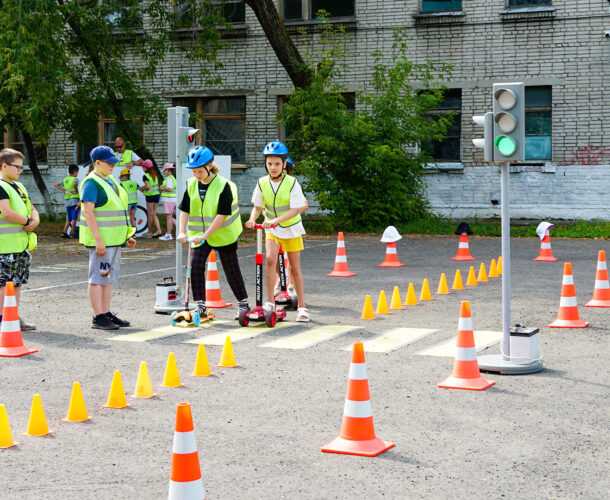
x: 260, y: 226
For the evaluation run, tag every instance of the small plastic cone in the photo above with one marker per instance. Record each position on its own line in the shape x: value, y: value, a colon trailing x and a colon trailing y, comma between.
x: 11, y: 342
x: 367, y: 310
x: 411, y: 299
x: 443, y: 289
x: 499, y: 267
x: 568, y: 316
x: 457, y: 281
x: 6, y: 436
x: 171, y: 377
x: 391, y: 257
x: 77, y: 411
x: 493, y: 269
x: 471, y: 280
x: 396, y: 303
x: 463, y: 252
x: 425, y: 291
x: 202, y: 367
x: 37, y: 425
x: 116, y: 397
x: 601, y: 290
x: 213, y: 296
x: 382, y: 304
x: 546, y: 253
x: 227, y: 357
x: 482, y: 277
x: 341, y: 269
x: 144, y: 387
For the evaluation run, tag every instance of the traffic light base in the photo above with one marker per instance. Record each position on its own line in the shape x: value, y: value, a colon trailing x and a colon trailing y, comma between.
x: 494, y: 363
x: 169, y: 307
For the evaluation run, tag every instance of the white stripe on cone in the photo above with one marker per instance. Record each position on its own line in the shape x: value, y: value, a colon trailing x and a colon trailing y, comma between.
x: 545, y: 246
x: 465, y: 353
x: 357, y: 409
x: 601, y: 284
x: 187, y: 490
x: 357, y: 371
x: 184, y: 442
x: 391, y: 250
x: 341, y: 258
x: 601, y: 265
x: 567, y: 302
x: 10, y: 301
x: 212, y: 284
x: 568, y: 279
x: 340, y: 244
x: 11, y: 326
x: 465, y: 324
x: 463, y: 244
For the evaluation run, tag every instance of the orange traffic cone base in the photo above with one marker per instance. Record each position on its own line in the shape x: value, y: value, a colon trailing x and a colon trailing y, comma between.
x: 470, y: 384
x: 546, y: 258
x: 568, y: 323
x: 217, y: 304
x: 391, y: 264
x: 341, y: 274
x: 458, y: 257
x: 368, y: 448
x: 598, y: 303
x: 14, y: 352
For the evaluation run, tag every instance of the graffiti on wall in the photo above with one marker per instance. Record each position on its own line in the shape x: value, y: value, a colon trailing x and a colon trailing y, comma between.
x: 590, y: 154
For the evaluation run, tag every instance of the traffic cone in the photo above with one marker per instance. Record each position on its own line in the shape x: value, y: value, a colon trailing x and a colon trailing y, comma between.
x: 471, y: 280
x: 443, y: 289
x: 357, y: 436
x: 77, y: 411
x: 185, y: 481
x: 568, y: 309
x: 367, y: 310
x: 411, y: 299
x: 457, y: 281
x: 466, y: 374
x: 144, y: 387
x: 391, y: 257
x: 499, y: 266
x: 213, y: 298
x: 425, y: 291
x: 341, y: 270
x: 116, y: 397
x: 601, y: 291
x: 11, y: 343
x: 227, y: 356
x: 382, y: 304
x: 493, y: 269
x: 463, y: 252
x: 546, y: 253
x: 202, y: 367
x: 171, y: 377
x: 482, y: 277
x: 396, y: 303
x: 6, y: 436
x: 37, y: 424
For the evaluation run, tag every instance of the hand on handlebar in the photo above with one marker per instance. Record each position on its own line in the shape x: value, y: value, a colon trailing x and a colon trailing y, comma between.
x: 267, y: 225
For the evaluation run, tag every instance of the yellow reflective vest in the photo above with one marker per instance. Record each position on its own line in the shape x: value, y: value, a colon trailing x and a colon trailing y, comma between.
x: 277, y: 204
x: 68, y: 185
x: 125, y: 158
x: 172, y: 193
x: 131, y: 187
x: 13, y: 239
x: 153, y: 186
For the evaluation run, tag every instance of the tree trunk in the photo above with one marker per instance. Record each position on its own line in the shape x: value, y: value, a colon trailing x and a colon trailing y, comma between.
x: 283, y: 46
x: 33, y: 164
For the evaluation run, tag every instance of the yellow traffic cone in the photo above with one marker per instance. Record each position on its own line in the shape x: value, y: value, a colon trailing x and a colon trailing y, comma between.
x: 37, y: 425
x: 443, y: 289
x: 482, y: 277
x: 77, y: 411
x: 367, y: 310
x: 411, y: 299
x: 471, y: 280
x: 493, y: 270
x: 227, y: 357
x: 457, y: 281
x: 6, y: 436
x: 144, y: 387
x: 382, y: 304
x: 116, y: 397
x: 396, y: 303
x: 500, y: 265
x: 171, y: 377
x: 425, y: 291
x: 202, y: 367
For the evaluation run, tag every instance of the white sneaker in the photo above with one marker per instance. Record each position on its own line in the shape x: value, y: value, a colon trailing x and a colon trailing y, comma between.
x: 269, y: 306
x: 303, y: 315
x: 166, y: 237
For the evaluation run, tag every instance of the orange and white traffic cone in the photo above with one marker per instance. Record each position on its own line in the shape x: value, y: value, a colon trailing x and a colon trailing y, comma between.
x: 213, y: 298
x: 601, y: 291
x: 466, y: 374
x: 463, y: 249
x: 546, y: 253
x: 185, y: 481
x: 357, y: 435
x: 391, y: 257
x: 568, y: 308
x: 341, y: 270
x: 11, y: 342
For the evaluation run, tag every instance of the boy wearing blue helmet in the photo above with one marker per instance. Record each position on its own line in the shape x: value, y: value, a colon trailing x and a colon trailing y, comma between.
x: 211, y: 208
x: 282, y: 197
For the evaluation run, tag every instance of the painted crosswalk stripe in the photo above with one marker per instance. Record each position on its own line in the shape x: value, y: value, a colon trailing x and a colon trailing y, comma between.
x: 162, y: 332
x: 311, y: 337
x: 394, y: 339
x: 237, y: 334
x: 482, y: 340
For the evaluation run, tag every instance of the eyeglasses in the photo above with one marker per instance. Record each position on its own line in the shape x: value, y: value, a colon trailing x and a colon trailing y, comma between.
x: 18, y: 167
x: 117, y: 146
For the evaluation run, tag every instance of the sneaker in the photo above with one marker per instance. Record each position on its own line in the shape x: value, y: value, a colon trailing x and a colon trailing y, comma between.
x: 102, y: 322
x: 269, y: 306
x: 65, y: 235
x: 116, y: 320
x: 201, y: 310
x: 303, y: 315
x: 26, y: 326
x: 166, y: 237
x: 243, y: 306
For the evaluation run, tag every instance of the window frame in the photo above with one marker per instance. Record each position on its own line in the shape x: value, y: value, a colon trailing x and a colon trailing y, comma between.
x: 458, y: 121
x: 422, y: 11
x: 529, y: 4
x: 307, y: 14
x: 5, y: 132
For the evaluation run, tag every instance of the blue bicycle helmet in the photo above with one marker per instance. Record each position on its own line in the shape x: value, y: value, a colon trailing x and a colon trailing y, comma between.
x: 276, y: 148
x: 289, y: 165
x: 199, y: 156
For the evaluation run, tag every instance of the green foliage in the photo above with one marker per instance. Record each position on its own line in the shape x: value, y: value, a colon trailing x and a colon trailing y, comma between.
x: 363, y: 166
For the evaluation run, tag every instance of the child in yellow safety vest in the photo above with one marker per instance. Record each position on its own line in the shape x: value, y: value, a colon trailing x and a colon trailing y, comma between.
x: 131, y: 187
x: 69, y: 187
x: 282, y: 197
x: 168, y: 197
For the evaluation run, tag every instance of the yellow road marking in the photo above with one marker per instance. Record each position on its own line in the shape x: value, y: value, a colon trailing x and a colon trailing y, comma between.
x: 482, y: 340
x: 237, y: 334
x: 310, y: 337
x: 393, y: 339
x: 162, y: 332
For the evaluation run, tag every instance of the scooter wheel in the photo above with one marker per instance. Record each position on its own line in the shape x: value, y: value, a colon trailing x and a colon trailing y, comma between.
x: 173, y: 318
x: 270, y: 318
x: 196, y: 319
x: 243, y: 318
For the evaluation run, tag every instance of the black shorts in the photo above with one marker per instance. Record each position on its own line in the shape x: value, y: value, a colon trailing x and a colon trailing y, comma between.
x: 15, y: 267
x: 153, y: 199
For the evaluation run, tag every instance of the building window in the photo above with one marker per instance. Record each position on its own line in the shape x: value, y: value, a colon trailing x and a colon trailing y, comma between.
x: 126, y: 18
x: 538, y: 114
x: 222, y: 121
x: 528, y: 3
x: 439, y: 5
x: 447, y: 149
x: 233, y: 11
x: 295, y: 10
x: 14, y: 139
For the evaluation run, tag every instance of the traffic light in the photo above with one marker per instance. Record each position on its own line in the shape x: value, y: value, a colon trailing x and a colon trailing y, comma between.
x: 487, y: 143
x: 186, y: 141
x: 508, y: 122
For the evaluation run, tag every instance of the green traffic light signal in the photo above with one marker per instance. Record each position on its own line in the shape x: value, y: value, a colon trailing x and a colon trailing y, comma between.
x: 506, y: 146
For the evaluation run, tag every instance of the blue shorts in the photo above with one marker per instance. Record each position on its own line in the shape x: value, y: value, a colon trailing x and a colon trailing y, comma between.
x: 153, y: 199
x: 72, y: 213
x: 132, y: 206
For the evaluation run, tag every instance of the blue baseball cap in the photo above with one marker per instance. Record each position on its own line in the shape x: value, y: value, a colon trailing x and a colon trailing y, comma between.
x: 103, y: 153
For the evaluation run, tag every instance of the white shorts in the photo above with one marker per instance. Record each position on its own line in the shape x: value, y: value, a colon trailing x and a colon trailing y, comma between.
x: 104, y: 269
